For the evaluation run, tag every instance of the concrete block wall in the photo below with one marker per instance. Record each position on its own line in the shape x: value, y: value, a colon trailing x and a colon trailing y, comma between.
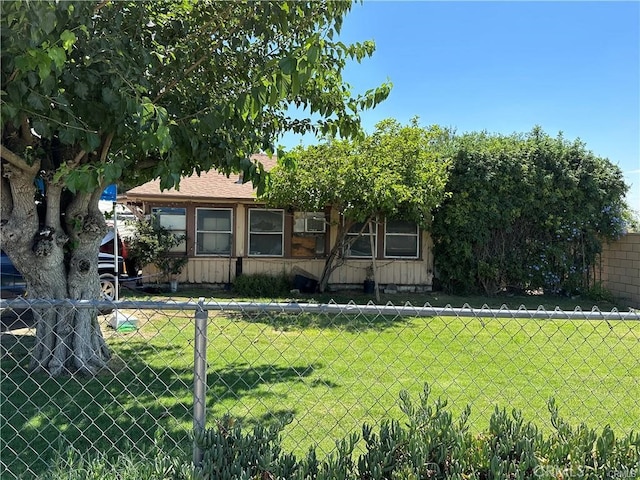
x: 620, y: 268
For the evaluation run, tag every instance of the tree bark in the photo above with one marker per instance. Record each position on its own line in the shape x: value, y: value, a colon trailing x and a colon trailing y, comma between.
x: 68, y: 340
x: 336, y: 257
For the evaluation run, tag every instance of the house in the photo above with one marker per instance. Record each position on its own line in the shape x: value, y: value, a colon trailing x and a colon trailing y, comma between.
x: 229, y: 232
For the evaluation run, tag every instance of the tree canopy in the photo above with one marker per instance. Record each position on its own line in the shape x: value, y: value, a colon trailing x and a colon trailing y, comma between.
x: 131, y: 91
x: 397, y: 172
x: 526, y: 212
x: 103, y: 92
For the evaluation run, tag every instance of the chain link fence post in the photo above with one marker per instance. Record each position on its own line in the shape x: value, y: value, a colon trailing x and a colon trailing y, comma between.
x: 199, y: 376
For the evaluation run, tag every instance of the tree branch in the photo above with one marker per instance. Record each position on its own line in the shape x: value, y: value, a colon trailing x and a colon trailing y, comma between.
x: 78, y: 158
x: 100, y: 5
x: 105, y: 147
x: 17, y: 160
x: 177, y: 80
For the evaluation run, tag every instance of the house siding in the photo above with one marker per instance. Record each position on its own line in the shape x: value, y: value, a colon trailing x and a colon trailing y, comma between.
x: 212, y: 190
x: 220, y: 270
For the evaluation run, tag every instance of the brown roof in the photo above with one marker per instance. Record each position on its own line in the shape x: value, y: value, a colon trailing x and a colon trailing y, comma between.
x: 209, y: 185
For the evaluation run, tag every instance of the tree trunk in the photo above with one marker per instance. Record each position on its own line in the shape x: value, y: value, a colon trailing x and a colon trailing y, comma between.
x: 68, y: 339
x: 336, y: 258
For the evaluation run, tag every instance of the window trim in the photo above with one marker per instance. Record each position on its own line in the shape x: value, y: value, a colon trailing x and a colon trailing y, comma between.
x: 230, y: 232
x: 306, y: 217
x: 417, y: 236
x: 157, y: 209
x: 281, y: 232
x: 297, y: 234
x: 347, y: 252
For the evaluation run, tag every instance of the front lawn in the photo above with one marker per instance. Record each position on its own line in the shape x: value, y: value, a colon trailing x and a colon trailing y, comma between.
x: 328, y: 374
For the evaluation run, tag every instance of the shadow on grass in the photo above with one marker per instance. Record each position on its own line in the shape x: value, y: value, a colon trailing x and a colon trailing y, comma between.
x: 434, y: 298
x: 128, y: 408
x: 352, y: 323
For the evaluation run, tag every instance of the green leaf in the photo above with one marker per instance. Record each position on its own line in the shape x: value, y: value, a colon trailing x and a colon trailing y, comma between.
x: 35, y: 101
x: 109, y: 97
x: 68, y: 136
x: 288, y: 65
x: 68, y: 40
x: 312, y: 54
x: 46, y: 19
x: 58, y: 56
x: 81, y: 90
x: 112, y: 172
x: 93, y: 141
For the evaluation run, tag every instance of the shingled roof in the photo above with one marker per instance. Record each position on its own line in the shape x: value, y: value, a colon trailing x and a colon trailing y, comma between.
x: 209, y: 185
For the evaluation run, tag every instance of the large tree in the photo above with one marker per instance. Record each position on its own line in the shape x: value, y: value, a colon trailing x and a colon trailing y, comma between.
x: 399, y: 172
x: 526, y: 212
x: 95, y: 93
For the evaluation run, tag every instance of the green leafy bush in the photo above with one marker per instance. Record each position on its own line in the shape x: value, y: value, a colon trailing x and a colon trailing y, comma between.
x: 597, y: 292
x: 262, y: 285
x: 152, y: 244
x: 428, y: 444
x: 525, y: 212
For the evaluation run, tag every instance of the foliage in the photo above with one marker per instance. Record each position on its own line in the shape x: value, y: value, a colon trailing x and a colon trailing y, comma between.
x: 97, y: 93
x: 261, y: 285
x: 166, y: 87
x: 526, y: 212
x: 152, y: 244
x: 397, y: 172
x: 598, y: 293
x: 159, y: 462
x: 428, y: 445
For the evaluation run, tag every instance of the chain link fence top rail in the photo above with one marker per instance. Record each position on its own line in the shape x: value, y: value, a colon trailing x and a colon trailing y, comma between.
x: 323, y: 368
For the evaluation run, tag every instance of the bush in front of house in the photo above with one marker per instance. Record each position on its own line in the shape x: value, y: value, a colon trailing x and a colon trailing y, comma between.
x: 428, y: 444
x: 261, y: 285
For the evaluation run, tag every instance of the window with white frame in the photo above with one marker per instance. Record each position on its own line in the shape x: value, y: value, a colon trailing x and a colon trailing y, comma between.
x: 213, y: 231
x: 308, y: 239
x: 361, y: 246
x: 309, y: 222
x: 266, y: 233
x: 174, y: 220
x: 401, y: 239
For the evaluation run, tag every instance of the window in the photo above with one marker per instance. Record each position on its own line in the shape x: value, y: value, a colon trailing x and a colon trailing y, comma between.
x: 308, y: 238
x: 266, y: 232
x: 401, y: 239
x: 361, y: 247
x: 174, y: 220
x: 213, y: 231
x: 309, y: 222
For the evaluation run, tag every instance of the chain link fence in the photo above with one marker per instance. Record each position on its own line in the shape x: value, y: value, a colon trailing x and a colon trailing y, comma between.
x: 324, y: 369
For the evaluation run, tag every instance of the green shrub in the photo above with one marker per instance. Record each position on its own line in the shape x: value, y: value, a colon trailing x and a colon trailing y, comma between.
x: 157, y: 463
x: 525, y: 212
x: 598, y: 293
x: 258, y: 285
x: 428, y: 444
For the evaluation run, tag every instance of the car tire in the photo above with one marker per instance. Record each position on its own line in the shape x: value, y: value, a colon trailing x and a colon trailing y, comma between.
x: 107, y: 287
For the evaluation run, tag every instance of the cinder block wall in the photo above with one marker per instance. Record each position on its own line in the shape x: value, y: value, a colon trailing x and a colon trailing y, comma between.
x: 620, y: 268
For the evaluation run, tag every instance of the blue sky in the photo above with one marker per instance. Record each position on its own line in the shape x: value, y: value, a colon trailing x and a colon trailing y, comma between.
x: 504, y: 67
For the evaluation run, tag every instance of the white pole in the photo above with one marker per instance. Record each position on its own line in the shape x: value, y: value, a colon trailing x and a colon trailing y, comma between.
x: 115, y: 250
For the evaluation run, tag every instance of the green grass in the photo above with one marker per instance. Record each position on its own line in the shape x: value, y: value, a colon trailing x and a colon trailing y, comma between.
x: 329, y: 374
x: 436, y: 299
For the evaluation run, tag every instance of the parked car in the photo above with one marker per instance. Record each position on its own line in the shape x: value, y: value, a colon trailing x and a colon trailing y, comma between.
x: 13, y: 284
